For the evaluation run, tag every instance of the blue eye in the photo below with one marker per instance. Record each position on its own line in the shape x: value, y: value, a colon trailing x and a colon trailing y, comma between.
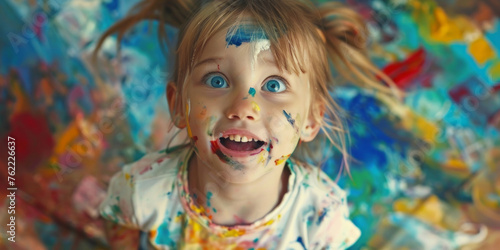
x: 216, y: 81
x: 274, y: 85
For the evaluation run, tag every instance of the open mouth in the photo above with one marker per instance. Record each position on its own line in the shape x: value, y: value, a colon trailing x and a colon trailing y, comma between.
x: 240, y: 143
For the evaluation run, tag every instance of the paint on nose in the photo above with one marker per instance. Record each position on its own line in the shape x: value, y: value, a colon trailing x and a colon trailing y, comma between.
x: 255, y: 106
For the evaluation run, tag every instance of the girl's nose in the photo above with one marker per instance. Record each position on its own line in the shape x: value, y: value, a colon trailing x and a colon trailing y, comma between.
x: 242, y: 108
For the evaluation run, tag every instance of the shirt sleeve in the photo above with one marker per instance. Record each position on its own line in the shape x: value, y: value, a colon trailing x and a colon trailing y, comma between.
x: 119, y: 203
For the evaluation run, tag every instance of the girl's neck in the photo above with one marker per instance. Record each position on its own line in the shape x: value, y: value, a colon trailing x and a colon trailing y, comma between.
x: 231, y: 204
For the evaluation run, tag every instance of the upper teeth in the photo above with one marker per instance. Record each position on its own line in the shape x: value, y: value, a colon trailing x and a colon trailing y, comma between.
x: 239, y: 138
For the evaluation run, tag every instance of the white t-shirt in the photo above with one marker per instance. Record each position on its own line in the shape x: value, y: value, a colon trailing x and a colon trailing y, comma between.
x: 152, y: 195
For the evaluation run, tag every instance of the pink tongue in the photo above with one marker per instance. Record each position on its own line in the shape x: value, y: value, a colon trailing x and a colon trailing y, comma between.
x: 241, y: 146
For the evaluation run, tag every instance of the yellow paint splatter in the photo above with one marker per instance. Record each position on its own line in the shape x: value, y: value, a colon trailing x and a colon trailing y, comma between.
x: 429, y: 210
x: 281, y: 159
x: 457, y: 164
x: 447, y: 30
x: 262, y: 159
x: 255, y: 106
x: 481, y: 50
x: 127, y: 177
x: 233, y: 233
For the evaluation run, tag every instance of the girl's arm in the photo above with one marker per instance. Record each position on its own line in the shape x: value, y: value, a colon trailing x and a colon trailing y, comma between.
x: 120, y: 237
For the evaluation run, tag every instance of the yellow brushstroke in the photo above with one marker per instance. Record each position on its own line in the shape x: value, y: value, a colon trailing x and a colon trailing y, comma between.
x: 233, y: 233
x: 262, y: 159
x: 457, y: 164
x: 481, y: 50
x: 255, y: 106
x: 429, y: 210
x: 281, y: 159
x: 447, y: 30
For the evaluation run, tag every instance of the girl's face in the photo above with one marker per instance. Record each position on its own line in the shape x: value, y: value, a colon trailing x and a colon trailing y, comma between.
x: 245, y: 116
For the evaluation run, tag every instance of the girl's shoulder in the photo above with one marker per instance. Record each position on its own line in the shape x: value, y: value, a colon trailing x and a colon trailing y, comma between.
x: 154, y: 165
x: 146, y: 181
x: 317, y: 182
x: 325, y: 209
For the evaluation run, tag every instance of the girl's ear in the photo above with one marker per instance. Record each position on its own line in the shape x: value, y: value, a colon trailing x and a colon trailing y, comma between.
x: 175, y: 106
x: 312, y: 125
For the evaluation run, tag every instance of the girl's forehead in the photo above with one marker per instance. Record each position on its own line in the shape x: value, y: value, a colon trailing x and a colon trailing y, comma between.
x: 247, y: 38
x: 244, y: 33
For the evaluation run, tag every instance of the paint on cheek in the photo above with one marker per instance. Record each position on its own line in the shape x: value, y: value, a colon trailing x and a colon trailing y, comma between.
x: 203, y: 112
x: 281, y: 159
x: 255, y: 106
x: 224, y: 158
x: 211, y: 122
x: 269, y: 148
x: 262, y: 159
x: 252, y: 92
x: 289, y: 118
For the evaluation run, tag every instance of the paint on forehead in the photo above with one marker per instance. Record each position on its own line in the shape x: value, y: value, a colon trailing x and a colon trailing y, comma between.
x: 259, y: 46
x: 244, y: 33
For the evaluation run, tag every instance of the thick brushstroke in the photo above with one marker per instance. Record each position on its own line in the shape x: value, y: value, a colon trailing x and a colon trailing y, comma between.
x: 245, y: 33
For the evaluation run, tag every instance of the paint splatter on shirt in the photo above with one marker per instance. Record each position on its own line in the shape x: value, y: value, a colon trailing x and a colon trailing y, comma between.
x: 313, y: 213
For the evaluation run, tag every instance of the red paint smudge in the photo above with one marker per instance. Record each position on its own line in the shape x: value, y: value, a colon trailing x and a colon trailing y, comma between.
x: 214, y: 146
x: 148, y: 168
x: 34, y: 141
x: 218, y: 67
x: 195, y: 138
x: 403, y: 73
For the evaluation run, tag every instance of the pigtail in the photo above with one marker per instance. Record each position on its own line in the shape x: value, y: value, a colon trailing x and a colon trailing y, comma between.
x: 346, y: 38
x: 172, y: 12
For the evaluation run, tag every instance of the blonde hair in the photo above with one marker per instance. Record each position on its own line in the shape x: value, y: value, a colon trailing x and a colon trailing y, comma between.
x: 300, y: 35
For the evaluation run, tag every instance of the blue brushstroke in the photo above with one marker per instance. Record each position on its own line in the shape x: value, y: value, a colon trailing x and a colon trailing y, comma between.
x: 244, y: 34
x: 289, y: 117
x: 299, y: 240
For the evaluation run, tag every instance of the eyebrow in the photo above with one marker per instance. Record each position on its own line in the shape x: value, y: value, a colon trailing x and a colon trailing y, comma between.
x: 208, y: 60
x: 216, y: 59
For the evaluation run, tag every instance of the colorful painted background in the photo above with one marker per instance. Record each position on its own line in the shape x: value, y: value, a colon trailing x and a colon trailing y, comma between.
x: 426, y: 173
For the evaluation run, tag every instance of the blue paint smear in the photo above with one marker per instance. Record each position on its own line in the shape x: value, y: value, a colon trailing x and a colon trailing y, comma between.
x: 289, y: 117
x: 299, y: 240
x: 252, y: 92
x: 244, y: 34
x: 163, y: 236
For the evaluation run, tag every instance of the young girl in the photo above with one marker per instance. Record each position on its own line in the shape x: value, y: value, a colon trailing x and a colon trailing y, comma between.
x: 251, y: 86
